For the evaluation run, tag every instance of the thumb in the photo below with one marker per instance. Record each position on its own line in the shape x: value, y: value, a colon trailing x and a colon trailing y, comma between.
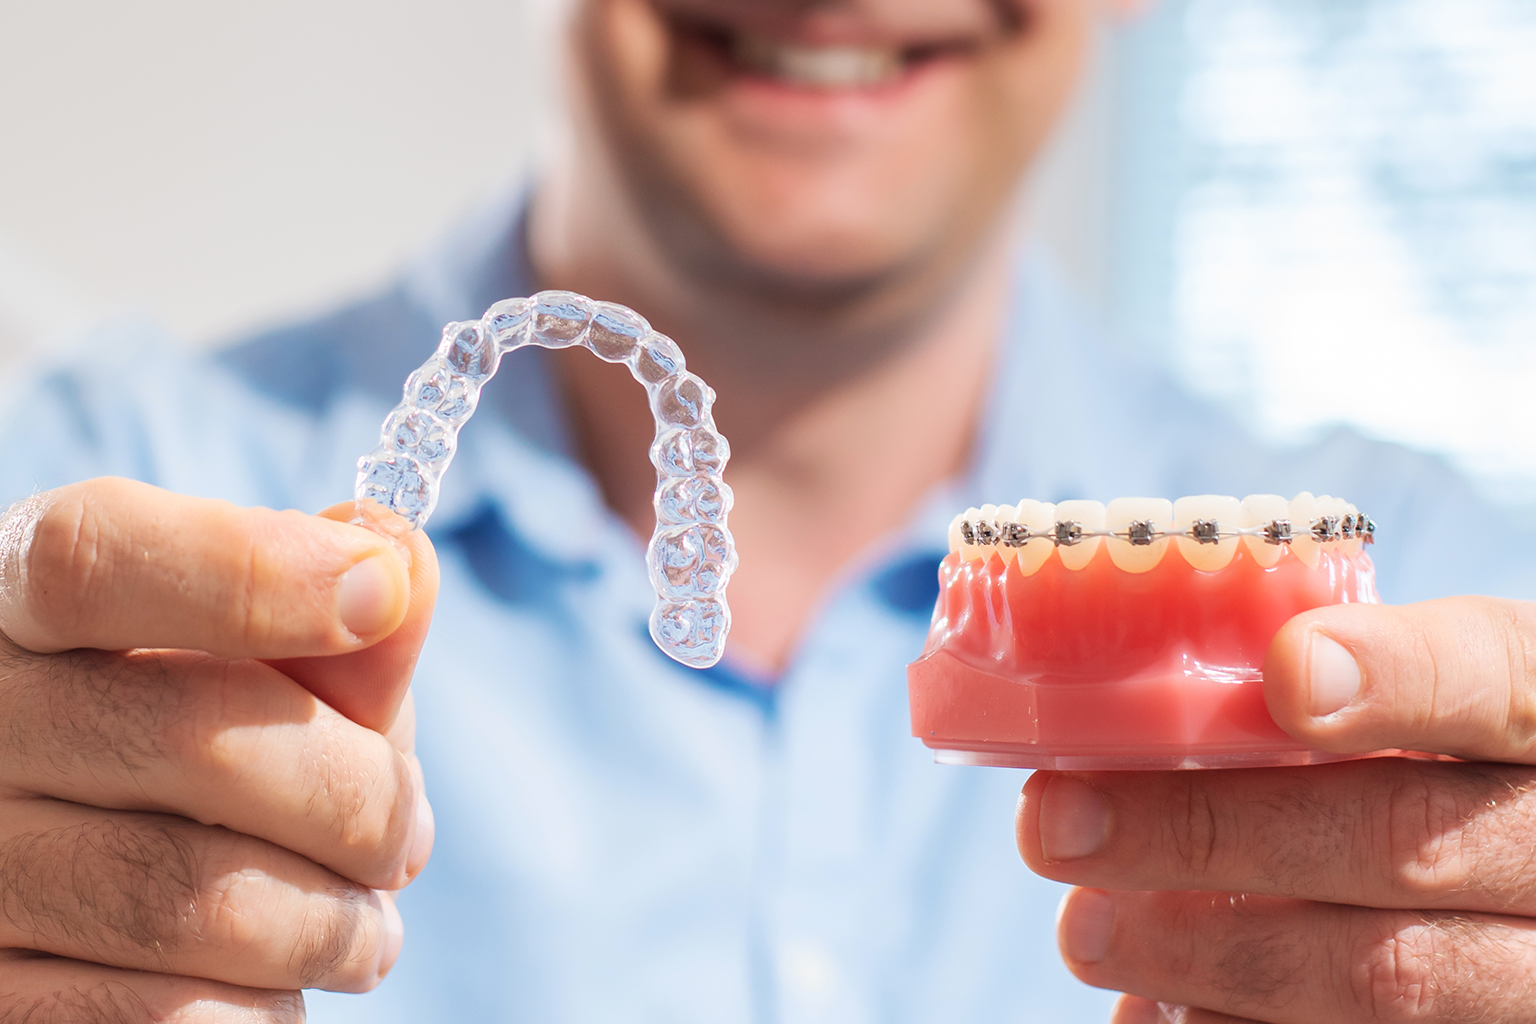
x: 368, y: 685
x: 1454, y: 676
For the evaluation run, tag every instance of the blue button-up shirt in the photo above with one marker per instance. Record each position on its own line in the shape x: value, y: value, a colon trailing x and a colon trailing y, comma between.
x: 623, y: 839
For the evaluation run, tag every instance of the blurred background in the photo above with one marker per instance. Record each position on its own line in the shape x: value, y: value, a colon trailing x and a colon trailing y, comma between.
x: 1313, y: 211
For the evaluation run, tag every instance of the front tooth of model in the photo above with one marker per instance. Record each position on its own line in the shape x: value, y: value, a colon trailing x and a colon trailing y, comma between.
x: 1118, y: 517
x: 1039, y: 518
x: 1090, y: 516
x: 1006, y: 517
x: 1226, y: 512
x: 955, y: 540
x: 986, y: 530
x: 1337, y: 509
x: 1259, y: 510
x: 1303, y: 509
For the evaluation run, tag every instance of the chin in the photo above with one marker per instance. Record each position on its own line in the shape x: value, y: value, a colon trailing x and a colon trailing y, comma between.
x: 832, y: 229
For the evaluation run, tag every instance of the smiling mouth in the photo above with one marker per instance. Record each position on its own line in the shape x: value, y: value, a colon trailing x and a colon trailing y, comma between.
x: 822, y: 67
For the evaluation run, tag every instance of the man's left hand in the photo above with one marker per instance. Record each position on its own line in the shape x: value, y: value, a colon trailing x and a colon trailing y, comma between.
x: 1386, y: 889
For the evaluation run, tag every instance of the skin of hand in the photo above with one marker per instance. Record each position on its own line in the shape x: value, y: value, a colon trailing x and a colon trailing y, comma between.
x: 1383, y: 889
x: 187, y: 833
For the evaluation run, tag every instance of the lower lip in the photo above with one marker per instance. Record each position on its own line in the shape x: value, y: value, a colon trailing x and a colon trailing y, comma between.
x: 1098, y: 668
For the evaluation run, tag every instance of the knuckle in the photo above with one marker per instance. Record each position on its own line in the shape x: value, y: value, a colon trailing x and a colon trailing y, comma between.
x: 231, y: 909
x: 278, y: 1007
x: 372, y: 798
x: 252, y: 603
x: 267, y: 604
x: 1517, y: 624
x: 1402, y: 969
x: 1195, y: 826
x: 1426, y: 837
x: 69, y: 553
x: 335, y: 944
x: 320, y: 935
x: 222, y: 700
x: 1458, y: 829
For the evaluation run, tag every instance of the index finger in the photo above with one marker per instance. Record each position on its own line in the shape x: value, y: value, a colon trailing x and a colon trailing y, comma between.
x: 115, y: 564
x: 1455, y: 676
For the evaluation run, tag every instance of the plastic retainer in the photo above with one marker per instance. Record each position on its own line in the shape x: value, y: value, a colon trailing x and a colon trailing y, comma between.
x: 691, y: 554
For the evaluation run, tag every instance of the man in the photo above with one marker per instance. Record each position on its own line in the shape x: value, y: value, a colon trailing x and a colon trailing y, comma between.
x: 809, y: 197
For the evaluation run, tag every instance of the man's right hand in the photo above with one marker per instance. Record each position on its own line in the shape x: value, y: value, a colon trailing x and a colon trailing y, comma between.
x: 187, y: 833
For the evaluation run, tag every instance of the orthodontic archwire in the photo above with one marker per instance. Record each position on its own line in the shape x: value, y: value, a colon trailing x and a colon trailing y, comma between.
x: 1145, y: 532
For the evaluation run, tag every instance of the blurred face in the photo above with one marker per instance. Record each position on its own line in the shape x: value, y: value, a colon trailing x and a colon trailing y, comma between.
x: 817, y: 145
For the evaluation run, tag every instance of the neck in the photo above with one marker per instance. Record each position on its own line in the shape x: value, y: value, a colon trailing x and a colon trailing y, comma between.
x: 842, y: 411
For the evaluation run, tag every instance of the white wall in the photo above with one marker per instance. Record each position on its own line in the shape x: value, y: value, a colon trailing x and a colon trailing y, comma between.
x: 219, y: 165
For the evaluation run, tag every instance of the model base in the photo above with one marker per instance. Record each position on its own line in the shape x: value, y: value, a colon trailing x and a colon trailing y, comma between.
x: 1027, y: 757
x: 1176, y: 714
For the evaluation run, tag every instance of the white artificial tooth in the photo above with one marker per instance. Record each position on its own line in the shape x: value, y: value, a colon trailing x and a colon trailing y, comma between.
x: 954, y: 533
x: 1089, y: 517
x: 1261, y: 510
x: 1336, y: 509
x: 970, y: 551
x: 1006, y: 517
x: 1303, y: 509
x: 1118, y: 517
x: 986, y: 531
x: 1224, y: 511
x: 1355, y: 543
x: 1039, y: 518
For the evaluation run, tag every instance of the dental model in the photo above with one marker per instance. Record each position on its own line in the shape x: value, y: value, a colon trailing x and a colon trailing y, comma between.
x: 1132, y: 635
x: 691, y: 554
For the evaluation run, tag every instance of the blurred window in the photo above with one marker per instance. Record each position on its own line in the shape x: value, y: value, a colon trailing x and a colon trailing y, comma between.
x: 1350, y: 197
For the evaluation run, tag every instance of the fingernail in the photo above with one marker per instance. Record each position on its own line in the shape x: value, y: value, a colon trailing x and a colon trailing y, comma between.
x: 421, y: 841
x: 367, y: 597
x: 1332, y: 673
x: 1074, y: 819
x: 1085, y: 925
x: 394, y: 933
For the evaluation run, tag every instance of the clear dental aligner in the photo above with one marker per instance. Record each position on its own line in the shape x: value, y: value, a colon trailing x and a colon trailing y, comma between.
x: 1207, y: 529
x: 691, y: 554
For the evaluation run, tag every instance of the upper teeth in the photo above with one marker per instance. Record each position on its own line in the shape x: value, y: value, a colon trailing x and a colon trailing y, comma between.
x: 1207, y: 528
x: 828, y: 67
